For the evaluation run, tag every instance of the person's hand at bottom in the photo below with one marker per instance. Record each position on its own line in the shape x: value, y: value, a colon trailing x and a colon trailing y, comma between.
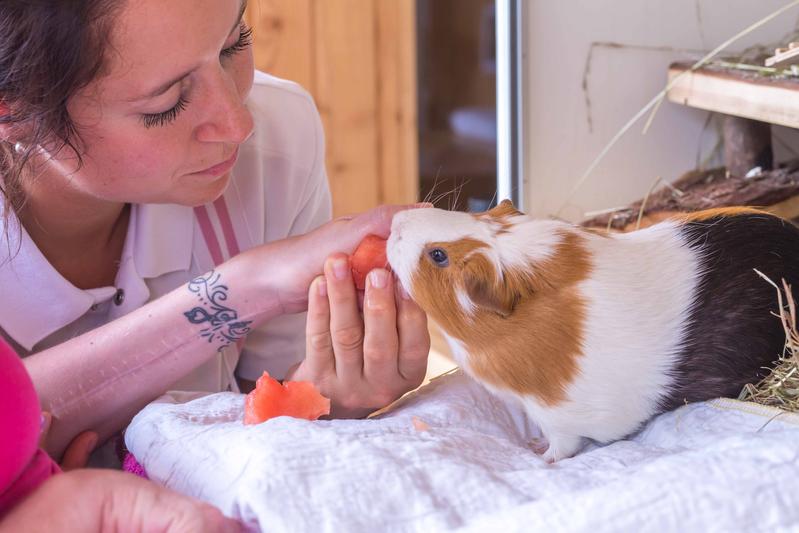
x: 106, y: 500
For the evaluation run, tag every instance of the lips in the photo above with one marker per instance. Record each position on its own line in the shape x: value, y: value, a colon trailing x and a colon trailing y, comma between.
x: 223, y: 167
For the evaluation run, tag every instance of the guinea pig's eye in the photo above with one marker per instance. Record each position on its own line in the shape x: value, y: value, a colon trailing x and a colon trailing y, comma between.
x: 439, y: 257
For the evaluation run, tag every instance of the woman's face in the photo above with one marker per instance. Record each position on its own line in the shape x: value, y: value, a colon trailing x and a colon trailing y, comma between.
x: 164, y: 123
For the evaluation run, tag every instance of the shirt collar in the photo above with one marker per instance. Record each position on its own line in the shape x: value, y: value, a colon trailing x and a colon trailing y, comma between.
x: 37, y: 300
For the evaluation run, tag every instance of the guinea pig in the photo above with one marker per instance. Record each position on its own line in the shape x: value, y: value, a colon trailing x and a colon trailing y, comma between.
x: 596, y: 333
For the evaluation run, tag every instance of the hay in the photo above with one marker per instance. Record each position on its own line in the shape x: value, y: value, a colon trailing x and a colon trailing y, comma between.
x: 780, y: 388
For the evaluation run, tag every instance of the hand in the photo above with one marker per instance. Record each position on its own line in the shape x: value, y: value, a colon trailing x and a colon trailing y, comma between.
x: 362, y: 364
x: 107, y: 500
x: 295, y: 262
x: 78, y: 451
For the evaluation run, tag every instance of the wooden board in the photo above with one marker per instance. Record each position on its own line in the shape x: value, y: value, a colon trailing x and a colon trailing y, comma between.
x: 784, y: 57
x: 282, y: 39
x: 739, y: 94
x: 776, y: 191
x: 346, y: 93
x: 358, y: 60
x: 397, y: 81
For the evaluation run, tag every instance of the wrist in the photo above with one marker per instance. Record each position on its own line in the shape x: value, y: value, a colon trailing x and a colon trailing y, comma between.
x: 253, y: 278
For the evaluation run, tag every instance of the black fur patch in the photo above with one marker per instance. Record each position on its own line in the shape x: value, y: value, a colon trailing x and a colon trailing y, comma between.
x: 731, y: 333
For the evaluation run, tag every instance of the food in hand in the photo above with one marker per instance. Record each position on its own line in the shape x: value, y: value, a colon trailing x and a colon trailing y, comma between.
x: 370, y: 254
x: 298, y: 399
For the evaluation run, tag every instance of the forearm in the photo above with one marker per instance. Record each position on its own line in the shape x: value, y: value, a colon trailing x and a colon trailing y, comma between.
x: 100, y: 379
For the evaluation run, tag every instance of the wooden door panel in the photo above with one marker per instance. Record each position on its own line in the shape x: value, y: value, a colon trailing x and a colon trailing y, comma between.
x: 357, y: 59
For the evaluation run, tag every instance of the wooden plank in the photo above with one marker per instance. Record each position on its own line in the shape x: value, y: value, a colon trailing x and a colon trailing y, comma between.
x: 282, y: 39
x: 758, y: 99
x: 775, y: 190
x: 345, y: 80
x: 784, y: 57
x: 396, y: 86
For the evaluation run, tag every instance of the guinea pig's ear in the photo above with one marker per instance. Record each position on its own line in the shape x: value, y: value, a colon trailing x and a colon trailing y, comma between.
x: 492, y: 292
x: 504, y: 209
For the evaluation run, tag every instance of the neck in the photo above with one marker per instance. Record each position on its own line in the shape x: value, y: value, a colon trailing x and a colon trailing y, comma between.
x: 80, y: 235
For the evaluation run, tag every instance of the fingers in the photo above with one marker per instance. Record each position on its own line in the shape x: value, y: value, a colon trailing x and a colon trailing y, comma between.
x: 318, y: 341
x: 380, y: 321
x: 414, y: 338
x: 346, y: 326
x: 206, y: 518
x: 78, y: 451
x: 128, y: 502
x: 378, y: 220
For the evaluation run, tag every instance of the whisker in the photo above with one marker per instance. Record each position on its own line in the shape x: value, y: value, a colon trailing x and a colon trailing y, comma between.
x: 432, y: 191
x: 493, y: 198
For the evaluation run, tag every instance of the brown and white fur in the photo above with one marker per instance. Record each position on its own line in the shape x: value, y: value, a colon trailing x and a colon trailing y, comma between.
x: 593, y: 333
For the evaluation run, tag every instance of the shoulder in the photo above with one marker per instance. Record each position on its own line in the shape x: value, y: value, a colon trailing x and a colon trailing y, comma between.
x: 281, y: 167
x: 287, y: 124
x: 285, y: 115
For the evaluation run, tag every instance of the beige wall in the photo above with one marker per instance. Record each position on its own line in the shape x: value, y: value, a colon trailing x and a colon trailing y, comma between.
x: 561, y: 144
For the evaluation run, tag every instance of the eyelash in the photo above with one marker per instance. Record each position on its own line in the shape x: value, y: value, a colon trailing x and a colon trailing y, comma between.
x: 244, y: 42
x: 168, y: 116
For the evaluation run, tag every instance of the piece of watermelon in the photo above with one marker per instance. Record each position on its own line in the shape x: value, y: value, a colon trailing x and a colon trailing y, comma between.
x: 370, y: 254
x: 270, y: 398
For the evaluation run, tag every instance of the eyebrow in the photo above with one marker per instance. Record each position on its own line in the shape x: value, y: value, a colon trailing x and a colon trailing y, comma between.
x: 161, y: 89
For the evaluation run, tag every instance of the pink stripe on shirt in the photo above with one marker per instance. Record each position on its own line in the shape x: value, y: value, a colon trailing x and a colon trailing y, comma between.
x: 227, y: 226
x: 208, y: 233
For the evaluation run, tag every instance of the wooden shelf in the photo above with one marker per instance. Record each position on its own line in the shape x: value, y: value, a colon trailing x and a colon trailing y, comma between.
x: 737, y: 93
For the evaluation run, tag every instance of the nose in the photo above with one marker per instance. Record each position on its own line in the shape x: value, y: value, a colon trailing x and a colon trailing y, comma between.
x: 229, y: 120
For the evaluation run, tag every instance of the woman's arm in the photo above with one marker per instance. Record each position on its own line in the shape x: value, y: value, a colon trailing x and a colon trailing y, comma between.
x: 99, y: 380
x: 104, y: 500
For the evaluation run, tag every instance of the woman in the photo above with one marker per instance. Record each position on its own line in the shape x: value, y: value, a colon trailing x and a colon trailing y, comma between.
x: 164, y: 215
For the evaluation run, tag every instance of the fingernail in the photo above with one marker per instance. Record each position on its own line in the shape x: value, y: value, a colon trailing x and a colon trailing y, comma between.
x: 321, y: 286
x: 377, y: 278
x: 341, y: 269
x: 403, y: 293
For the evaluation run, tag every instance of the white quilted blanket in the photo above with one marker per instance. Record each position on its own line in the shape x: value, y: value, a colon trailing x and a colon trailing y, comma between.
x: 451, y: 456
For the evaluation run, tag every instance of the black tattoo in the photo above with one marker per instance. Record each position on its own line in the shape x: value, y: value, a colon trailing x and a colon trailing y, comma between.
x: 222, y: 322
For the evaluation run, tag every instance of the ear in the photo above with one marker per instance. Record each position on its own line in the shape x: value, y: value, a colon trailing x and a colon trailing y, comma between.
x: 491, y: 292
x: 504, y: 209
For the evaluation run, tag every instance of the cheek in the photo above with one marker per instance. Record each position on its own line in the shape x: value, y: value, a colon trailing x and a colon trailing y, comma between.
x: 124, y: 164
x: 241, y: 69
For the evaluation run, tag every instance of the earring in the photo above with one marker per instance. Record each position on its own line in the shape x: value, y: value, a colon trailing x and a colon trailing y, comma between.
x: 19, y: 147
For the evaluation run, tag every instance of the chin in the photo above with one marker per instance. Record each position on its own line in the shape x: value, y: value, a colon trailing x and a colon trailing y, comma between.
x: 205, y: 193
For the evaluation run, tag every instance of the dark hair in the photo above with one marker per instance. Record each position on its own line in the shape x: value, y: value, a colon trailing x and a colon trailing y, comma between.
x: 49, y: 49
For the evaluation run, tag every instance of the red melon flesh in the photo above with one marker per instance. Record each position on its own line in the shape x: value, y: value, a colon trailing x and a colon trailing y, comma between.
x: 370, y: 254
x: 298, y: 399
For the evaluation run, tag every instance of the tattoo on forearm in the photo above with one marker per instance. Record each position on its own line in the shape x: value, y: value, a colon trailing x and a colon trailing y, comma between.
x: 221, y: 322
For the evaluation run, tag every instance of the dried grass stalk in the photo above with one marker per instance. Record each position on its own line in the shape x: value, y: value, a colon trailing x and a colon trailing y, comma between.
x: 780, y: 388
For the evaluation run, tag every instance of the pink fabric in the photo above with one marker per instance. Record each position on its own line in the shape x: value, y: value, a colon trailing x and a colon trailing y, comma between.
x: 130, y: 464
x: 38, y: 470
x: 23, y: 466
x: 227, y: 226
x: 207, y: 229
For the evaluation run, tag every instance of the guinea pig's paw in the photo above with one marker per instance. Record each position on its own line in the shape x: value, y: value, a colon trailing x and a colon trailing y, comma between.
x: 539, y: 445
x: 561, y: 447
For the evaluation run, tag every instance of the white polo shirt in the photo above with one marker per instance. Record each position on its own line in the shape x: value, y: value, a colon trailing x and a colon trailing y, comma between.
x: 278, y: 188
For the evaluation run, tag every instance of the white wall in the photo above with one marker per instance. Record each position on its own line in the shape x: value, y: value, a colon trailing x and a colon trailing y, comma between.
x: 560, y: 144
